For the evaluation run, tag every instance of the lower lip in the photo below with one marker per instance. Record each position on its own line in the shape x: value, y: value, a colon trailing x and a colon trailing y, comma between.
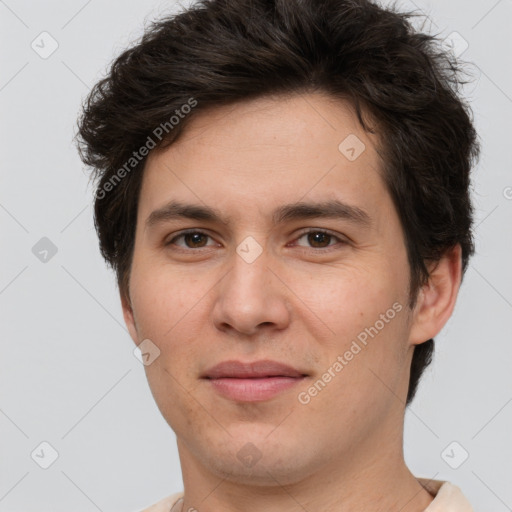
x: 253, y: 390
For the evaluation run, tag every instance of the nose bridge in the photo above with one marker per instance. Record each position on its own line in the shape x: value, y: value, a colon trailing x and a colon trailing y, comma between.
x: 250, y: 294
x: 250, y: 266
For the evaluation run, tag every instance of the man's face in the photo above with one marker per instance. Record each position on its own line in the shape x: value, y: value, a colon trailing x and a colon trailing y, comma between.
x: 331, y: 306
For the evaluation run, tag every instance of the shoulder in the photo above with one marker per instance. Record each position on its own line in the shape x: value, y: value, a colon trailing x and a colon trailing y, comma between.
x: 165, y: 504
x: 447, y: 496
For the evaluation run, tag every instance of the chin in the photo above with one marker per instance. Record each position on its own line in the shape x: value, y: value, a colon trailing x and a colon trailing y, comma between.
x: 260, y: 461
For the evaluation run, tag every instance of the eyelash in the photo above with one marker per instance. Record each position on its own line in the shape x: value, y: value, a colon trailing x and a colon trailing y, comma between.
x: 304, y: 233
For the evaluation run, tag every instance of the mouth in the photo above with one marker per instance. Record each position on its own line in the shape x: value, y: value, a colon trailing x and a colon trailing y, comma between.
x: 252, y: 382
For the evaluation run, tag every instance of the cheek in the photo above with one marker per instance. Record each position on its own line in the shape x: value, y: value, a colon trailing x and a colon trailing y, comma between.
x: 350, y: 298
x: 365, y: 311
x: 167, y: 313
x: 175, y: 400
x: 163, y: 299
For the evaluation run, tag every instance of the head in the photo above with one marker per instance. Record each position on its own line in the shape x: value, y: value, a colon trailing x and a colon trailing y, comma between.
x: 241, y: 108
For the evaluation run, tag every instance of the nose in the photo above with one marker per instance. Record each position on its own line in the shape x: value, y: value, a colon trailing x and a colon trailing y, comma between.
x: 251, y: 297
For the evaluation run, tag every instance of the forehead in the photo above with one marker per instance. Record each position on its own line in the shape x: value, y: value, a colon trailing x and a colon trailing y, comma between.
x: 298, y: 121
x: 259, y: 154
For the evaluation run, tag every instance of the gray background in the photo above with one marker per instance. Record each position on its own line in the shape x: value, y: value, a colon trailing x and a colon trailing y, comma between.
x: 68, y: 375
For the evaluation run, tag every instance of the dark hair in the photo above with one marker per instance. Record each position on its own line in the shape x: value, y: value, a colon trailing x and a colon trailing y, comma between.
x: 219, y: 52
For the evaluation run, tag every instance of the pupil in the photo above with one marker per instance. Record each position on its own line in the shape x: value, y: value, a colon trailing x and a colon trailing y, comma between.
x: 318, y: 238
x: 195, y: 237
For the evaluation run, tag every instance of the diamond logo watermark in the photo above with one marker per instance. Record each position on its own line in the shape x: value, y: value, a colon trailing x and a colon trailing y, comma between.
x: 249, y: 250
x: 44, y: 455
x: 146, y: 352
x: 44, y: 45
x: 249, y: 455
x: 455, y: 43
x: 454, y: 455
x: 351, y: 147
x: 44, y: 250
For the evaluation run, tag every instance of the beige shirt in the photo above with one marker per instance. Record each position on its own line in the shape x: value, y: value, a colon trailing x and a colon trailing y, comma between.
x: 448, y: 498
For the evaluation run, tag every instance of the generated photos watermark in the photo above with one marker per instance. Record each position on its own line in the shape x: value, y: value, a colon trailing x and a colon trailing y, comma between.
x: 356, y: 347
x: 152, y: 140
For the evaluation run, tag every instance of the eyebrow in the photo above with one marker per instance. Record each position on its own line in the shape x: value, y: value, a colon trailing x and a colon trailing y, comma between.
x: 332, y: 209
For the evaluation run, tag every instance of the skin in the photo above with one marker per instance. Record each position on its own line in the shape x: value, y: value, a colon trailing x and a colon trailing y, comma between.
x: 299, y: 302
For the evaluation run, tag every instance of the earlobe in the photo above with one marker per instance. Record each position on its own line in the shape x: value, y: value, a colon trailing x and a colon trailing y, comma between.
x: 129, y: 318
x: 436, y: 299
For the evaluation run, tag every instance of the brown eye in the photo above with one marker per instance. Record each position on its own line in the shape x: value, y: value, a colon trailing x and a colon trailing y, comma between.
x: 319, y: 239
x: 192, y: 240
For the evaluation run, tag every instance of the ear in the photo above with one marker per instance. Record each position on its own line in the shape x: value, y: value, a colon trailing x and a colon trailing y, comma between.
x: 129, y: 318
x: 436, y: 299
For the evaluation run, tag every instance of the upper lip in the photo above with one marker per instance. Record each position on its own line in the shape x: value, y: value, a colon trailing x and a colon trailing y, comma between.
x: 256, y: 369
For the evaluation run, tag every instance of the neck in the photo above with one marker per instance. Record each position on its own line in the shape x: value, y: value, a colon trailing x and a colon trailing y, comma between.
x: 372, y: 478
